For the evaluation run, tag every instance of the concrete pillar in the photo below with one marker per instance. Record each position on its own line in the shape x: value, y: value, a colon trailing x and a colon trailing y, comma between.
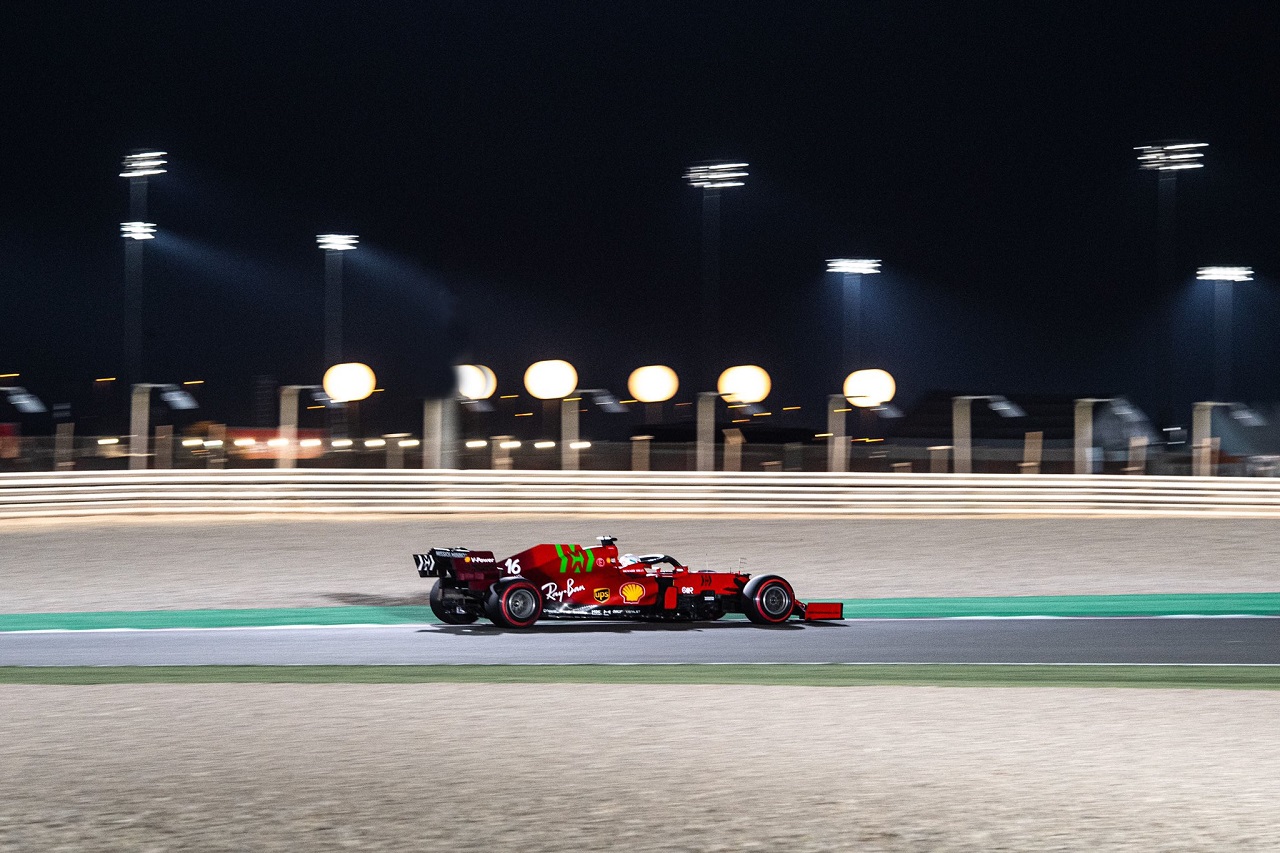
x: 1137, y: 455
x: 139, y: 426
x: 440, y: 433
x: 395, y: 453
x: 164, y: 446
x: 569, y: 433
x: 640, y: 452
x: 1084, y: 436
x: 499, y: 456
x: 733, y: 441
x: 288, y: 455
x: 962, y: 435
x: 837, y: 442
x: 64, y: 447
x: 1201, y: 432
x: 1032, y: 451
x: 706, y: 422
x: 217, y: 455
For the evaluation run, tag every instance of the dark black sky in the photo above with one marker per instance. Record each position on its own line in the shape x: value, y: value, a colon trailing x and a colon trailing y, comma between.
x: 513, y: 170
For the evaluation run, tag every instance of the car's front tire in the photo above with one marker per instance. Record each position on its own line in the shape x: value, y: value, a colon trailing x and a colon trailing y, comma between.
x: 447, y: 614
x: 768, y: 600
x: 514, y: 604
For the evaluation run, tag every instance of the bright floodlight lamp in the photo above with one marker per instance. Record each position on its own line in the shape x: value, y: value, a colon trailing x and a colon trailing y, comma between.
x: 319, y: 397
x: 138, y: 230
x: 712, y: 176
x: 1004, y: 407
x: 1223, y: 278
x: 24, y: 401
x: 177, y: 399
x: 337, y: 242
x: 550, y: 380
x: 853, y: 266
x: 1245, y: 415
x: 868, y: 389
x: 349, y: 382
x: 654, y: 383
x: 475, y: 381
x: 744, y: 383
x: 605, y: 400
x: 1171, y: 156
x: 143, y: 164
x: 1225, y: 274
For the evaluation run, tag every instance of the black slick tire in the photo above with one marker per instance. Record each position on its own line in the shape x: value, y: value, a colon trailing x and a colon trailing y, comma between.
x: 514, y: 604
x: 768, y: 600
x: 447, y: 615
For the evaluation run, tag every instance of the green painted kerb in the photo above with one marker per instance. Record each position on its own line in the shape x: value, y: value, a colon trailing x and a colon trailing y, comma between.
x: 256, y: 618
x: 1219, y: 604
x: 1214, y: 604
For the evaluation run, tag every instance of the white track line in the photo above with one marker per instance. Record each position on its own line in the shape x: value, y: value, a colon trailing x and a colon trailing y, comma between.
x: 433, y: 626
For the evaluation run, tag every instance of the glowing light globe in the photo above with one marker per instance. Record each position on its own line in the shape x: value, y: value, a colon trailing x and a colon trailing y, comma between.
x: 744, y: 383
x: 550, y: 380
x: 475, y: 381
x: 653, y: 384
x: 869, y: 388
x: 346, y: 383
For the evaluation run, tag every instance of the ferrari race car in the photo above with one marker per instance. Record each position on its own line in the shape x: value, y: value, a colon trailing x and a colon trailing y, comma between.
x: 576, y: 582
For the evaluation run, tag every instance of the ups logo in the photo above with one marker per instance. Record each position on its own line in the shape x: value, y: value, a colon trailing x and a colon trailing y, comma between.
x: 602, y: 595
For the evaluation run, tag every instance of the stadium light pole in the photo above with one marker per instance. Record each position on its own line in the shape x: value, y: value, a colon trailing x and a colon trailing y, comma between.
x: 333, y: 245
x: 140, y: 416
x: 1167, y: 159
x: 1223, y: 278
x: 287, y: 433
x: 851, y: 271
x: 711, y: 178
x: 137, y: 168
x: 962, y: 423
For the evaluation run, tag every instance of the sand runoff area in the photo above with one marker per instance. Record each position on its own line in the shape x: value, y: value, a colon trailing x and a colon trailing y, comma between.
x: 534, y: 767
x: 150, y: 563
x: 483, y: 767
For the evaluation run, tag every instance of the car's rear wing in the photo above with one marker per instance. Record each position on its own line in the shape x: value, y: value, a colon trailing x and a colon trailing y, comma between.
x: 456, y: 563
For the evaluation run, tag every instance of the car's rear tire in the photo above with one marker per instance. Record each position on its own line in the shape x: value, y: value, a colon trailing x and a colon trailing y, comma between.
x: 514, y: 604
x: 768, y: 600
x: 445, y: 613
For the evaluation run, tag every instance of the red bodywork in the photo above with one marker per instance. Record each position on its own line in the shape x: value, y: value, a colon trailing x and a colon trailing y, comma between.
x: 597, y: 582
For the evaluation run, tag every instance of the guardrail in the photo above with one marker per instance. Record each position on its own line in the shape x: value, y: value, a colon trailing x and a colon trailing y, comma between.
x: 607, y: 493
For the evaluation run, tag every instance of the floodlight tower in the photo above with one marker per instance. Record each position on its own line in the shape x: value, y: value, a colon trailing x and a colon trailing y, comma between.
x: 1222, y: 278
x: 1167, y: 159
x: 333, y: 245
x: 711, y: 178
x: 852, y: 270
x: 136, y: 168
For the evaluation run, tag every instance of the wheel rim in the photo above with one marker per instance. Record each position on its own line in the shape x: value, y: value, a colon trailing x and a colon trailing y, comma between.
x: 775, y: 601
x: 521, y: 604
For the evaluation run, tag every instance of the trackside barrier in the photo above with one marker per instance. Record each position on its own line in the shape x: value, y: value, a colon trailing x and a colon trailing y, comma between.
x: 352, y: 491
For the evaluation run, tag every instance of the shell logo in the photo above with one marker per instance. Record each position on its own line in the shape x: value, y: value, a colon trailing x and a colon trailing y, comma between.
x: 631, y: 592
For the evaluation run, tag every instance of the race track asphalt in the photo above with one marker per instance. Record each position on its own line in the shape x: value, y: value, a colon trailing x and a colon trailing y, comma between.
x: 1185, y: 640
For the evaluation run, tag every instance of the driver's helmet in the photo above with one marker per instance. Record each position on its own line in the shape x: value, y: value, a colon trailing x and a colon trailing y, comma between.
x: 628, y: 559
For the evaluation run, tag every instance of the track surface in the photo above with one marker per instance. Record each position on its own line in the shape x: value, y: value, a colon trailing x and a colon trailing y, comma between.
x: 1112, y: 640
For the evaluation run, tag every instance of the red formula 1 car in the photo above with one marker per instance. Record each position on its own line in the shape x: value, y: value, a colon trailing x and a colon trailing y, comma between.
x: 573, y: 582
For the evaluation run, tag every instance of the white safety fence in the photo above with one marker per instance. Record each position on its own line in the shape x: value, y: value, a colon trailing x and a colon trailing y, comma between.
x: 607, y: 493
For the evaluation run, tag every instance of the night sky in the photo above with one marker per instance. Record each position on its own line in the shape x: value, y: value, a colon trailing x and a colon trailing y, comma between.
x: 514, y: 173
